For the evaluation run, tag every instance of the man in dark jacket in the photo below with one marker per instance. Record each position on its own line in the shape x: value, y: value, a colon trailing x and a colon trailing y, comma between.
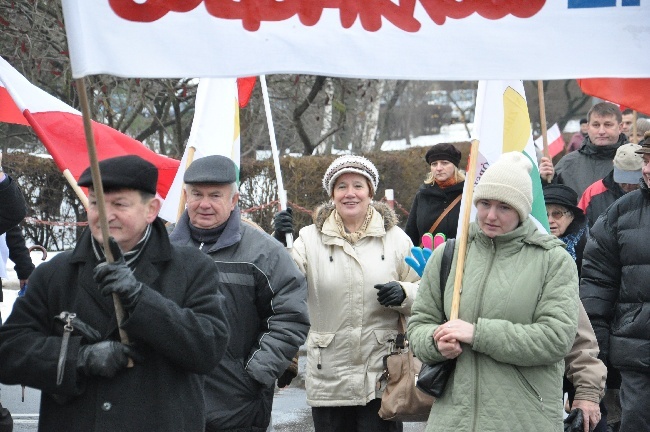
x: 615, y: 293
x: 12, y: 203
x: 62, y: 336
x: 593, y: 160
x: 624, y: 178
x: 266, y: 298
x: 19, y: 254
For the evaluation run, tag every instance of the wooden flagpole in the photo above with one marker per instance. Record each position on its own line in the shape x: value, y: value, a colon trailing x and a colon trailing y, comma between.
x: 542, y: 120
x: 282, y: 194
x: 462, y: 241
x: 182, y: 201
x: 98, y: 188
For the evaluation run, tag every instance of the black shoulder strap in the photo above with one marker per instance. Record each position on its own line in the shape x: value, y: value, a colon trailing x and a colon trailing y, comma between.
x: 445, y: 267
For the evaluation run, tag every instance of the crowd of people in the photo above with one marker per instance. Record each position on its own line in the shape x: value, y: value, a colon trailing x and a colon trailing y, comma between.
x: 191, y: 327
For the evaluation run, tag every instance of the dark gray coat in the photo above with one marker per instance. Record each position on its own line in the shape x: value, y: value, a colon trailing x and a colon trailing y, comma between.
x: 266, y: 305
x: 178, y: 326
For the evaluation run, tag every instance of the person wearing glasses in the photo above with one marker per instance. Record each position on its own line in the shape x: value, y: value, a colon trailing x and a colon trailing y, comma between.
x: 440, y: 193
x: 566, y: 220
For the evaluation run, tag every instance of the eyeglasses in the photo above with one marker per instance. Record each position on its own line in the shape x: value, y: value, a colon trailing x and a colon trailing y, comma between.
x: 557, y: 214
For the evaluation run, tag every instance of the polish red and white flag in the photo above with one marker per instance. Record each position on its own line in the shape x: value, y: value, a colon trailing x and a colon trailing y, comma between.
x: 60, y: 129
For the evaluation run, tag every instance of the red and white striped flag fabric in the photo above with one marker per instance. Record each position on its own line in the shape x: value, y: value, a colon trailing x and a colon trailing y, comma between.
x: 60, y: 128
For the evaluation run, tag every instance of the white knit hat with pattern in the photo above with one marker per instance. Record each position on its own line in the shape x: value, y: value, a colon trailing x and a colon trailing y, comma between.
x: 508, y: 180
x: 350, y: 164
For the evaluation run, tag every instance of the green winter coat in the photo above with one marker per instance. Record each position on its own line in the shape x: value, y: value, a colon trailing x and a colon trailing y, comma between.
x: 521, y: 292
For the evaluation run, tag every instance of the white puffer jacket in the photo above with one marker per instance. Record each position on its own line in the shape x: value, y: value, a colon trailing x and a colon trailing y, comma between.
x: 349, y: 328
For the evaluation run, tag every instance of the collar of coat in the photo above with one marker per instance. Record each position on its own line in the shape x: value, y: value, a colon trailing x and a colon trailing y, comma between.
x: 526, y: 233
x: 157, y: 248
x: 383, y: 219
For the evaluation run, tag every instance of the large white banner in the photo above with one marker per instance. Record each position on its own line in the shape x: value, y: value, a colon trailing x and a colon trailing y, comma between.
x: 409, y: 39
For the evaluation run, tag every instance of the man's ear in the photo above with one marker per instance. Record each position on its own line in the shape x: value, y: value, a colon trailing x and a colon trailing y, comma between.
x: 153, y: 208
x: 235, y: 200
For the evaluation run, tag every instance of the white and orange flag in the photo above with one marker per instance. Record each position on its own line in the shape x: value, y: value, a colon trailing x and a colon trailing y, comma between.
x: 215, y: 131
x: 502, y: 124
x: 60, y: 129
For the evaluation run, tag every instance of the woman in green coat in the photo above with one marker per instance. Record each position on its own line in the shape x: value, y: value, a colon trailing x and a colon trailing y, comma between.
x: 517, y: 319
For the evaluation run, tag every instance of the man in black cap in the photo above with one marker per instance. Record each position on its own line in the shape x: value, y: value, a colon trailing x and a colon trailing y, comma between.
x: 615, y: 292
x: 62, y: 336
x: 265, y: 298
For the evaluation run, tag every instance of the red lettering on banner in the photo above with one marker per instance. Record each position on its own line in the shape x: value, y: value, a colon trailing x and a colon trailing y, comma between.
x: 440, y: 10
x: 150, y: 10
x: 370, y: 12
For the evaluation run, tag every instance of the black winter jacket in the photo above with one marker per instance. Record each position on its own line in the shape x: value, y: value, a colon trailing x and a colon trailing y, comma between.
x: 266, y: 305
x: 614, y: 286
x: 12, y: 204
x: 579, y: 169
x: 177, y: 326
x: 429, y: 203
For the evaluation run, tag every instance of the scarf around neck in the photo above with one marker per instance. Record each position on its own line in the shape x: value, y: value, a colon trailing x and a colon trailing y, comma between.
x: 354, y: 237
x: 131, y: 257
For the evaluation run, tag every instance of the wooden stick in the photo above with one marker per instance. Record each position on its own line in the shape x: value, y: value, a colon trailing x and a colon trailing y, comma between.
x: 542, y: 121
x: 98, y: 188
x: 75, y: 187
x: 462, y: 241
x: 182, y: 201
x: 634, y: 139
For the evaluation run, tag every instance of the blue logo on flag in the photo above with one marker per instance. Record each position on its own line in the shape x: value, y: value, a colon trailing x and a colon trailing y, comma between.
x: 577, y: 4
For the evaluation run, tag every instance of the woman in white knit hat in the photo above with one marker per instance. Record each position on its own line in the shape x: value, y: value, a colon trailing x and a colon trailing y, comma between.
x: 517, y: 320
x: 353, y: 258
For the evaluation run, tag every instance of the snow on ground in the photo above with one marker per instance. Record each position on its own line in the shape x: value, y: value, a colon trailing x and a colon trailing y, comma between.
x: 448, y: 133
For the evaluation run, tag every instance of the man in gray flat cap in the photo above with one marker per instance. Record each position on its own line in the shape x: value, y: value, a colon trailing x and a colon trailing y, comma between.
x: 62, y: 336
x: 266, y: 298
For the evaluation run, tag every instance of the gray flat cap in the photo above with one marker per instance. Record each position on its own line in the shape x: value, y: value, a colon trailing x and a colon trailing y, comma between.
x: 211, y: 169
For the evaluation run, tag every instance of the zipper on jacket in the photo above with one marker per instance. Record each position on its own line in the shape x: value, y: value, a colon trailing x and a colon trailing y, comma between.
x: 479, y: 307
x: 529, y: 387
x: 201, y: 246
x: 320, y: 359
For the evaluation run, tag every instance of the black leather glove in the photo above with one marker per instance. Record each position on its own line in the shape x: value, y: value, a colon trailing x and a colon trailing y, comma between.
x: 390, y: 294
x: 283, y: 225
x: 117, y: 277
x: 104, y: 359
x: 573, y: 422
x: 289, y: 374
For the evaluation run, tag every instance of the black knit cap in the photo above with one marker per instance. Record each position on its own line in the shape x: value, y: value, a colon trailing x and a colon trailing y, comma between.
x: 124, y: 172
x: 562, y: 195
x: 443, y: 151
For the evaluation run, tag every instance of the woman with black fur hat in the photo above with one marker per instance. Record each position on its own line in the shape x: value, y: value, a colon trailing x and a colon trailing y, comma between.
x: 440, y: 192
x: 567, y: 221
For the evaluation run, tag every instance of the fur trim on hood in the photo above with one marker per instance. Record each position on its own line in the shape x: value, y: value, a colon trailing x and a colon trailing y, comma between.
x: 324, y: 210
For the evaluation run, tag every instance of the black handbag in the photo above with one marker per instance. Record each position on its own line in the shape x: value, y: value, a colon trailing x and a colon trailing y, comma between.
x: 432, y: 379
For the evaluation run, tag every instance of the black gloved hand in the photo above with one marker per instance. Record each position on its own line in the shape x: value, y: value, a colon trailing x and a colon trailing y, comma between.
x: 289, y: 374
x: 390, y: 294
x: 117, y: 277
x: 283, y: 225
x: 574, y: 421
x: 104, y: 359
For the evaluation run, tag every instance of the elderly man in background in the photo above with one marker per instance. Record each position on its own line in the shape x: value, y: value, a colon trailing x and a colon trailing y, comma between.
x: 624, y: 178
x: 266, y: 298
